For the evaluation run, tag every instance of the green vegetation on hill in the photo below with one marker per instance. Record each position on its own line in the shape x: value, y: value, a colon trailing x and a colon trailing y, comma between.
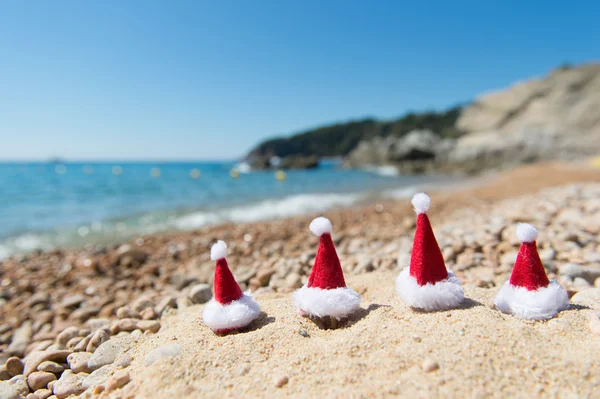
x: 341, y: 138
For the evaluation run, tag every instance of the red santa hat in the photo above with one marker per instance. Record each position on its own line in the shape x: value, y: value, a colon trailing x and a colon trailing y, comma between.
x: 529, y: 294
x: 325, y: 293
x: 426, y: 284
x: 230, y: 309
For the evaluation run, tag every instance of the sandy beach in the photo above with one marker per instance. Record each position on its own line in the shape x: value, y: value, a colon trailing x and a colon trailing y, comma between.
x: 98, y: 314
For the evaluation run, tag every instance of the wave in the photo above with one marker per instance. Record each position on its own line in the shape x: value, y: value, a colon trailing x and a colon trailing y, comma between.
x: 294, y: 205
x: 117, y: 230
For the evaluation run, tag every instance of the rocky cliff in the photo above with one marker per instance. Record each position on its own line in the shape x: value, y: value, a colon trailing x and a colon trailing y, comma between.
x: 557, y: 117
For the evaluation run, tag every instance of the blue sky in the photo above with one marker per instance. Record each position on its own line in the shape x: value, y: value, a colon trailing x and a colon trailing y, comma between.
x: 209, y: 79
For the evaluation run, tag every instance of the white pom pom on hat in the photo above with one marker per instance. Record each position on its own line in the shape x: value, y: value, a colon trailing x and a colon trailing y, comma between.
x: 421, y: 202
x: 218, y: 250
x: 320, y: 226
x: 526, y: 232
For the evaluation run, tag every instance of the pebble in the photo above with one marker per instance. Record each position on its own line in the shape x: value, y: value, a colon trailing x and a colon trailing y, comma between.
x: 40, y: 394
x: 7, y: 391
x: 148, y: 314
x: 162, y: 352
x: 21, y: 338
x: 148, y: 325
x: 98, y: 338
x: 430, y: 365
x: 589, y: 297
x: 4, y: 376
x: 14, y: 366
x: 168, y: 302
x: 200, y: 293
x: 123, y: 325
x: 105, y: 354
x: 293, y: 280
x: 34, y: 359
x: 281, y: 381
x: 20, y: 385
x: 118, y: 380
x: 39, y: 379
x: 97, y: 377
x: 127, y: 313
x: 580, y: 284
x: 51, y: 367
x: 72, y: 301
x: 66, y: 335
x: 69, y: 384
x: 78, y: 362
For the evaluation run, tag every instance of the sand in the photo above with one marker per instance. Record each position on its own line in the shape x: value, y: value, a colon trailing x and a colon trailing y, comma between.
x: 381, y: 352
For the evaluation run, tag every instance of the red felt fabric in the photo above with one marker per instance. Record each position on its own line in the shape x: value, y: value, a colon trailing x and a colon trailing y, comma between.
x: 327, y: 271
x: 529, y: 271
x: 226, y: 288
x: 426, y: 262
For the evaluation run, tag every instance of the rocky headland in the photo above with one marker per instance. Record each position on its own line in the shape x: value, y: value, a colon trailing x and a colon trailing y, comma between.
x: 556, y: 117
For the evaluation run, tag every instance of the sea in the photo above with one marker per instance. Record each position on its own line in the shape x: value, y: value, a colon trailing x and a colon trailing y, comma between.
x: 44, y: 205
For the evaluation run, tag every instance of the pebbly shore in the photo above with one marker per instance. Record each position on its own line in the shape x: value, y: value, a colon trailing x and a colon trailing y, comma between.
x: 82, y: 322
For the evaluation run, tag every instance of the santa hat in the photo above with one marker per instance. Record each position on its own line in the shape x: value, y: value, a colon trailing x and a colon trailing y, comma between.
x: 426, y: 284
x: 529, y: 294
x: 230, y: 308
x: 325, y: 293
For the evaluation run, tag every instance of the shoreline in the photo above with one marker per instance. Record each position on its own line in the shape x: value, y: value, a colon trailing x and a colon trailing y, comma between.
x: 159, y: 282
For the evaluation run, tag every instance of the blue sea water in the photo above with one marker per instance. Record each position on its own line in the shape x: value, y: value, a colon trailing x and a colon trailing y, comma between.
x: 46, y: 205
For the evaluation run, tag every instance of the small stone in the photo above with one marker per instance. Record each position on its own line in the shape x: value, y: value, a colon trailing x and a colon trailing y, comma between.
x: 105, y: 354
x: 20, y: 385
x: 39, y: 379
x: 148, y: 325
x: 97, y: 339
x: 141, y: 304
x: 20, y: 339
x: 78, y: 362
x: 125, y: 312
x: 68, y: 384
x: 293, y: 280
x: 73, y: 342
x: 97, y: 377
x: 81, y: 345
x: 118, y: 380
x: 97, y: 324
x: 72, y: 301
x: 14, y: 366
x: 200, y: 293
x: 4, y: 376
x: 123, y: 325
x: 68, y: 333
x: 580, y: 284
x: 430, y: 365
x: 304, y: 333
x: 162, y: 352
x: 281, y: 381
x: 589, y: 297
x: 7, y: 391
x: 148, y: 314
x: 34, y: 359
x: 571, y: 270
x: 51, y: 367
x: 43, y: 393
x: 168, y: 302
x: 594, y: 322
